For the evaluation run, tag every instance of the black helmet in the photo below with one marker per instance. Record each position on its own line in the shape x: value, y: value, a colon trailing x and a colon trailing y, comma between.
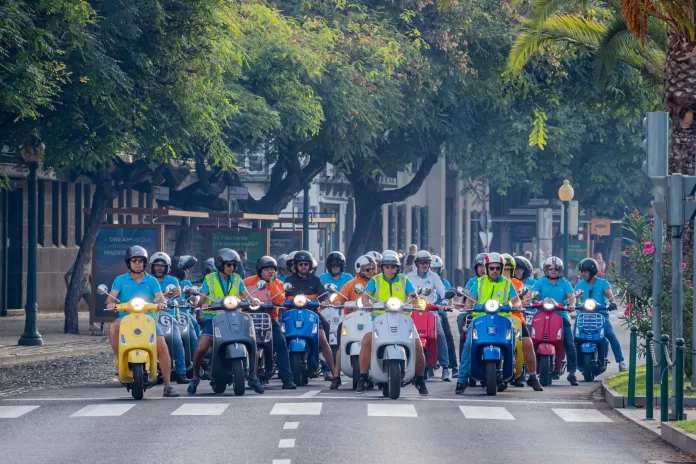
x: 335, y: 258
x: 589, y: 264
x: 264, y: 262
x: 303, y: 256
x: 135, y: 251
x: 180, y: 264
x: 523, y: 263
x: 480, y: 259
x: 225, y: 255
x: 209, y: 266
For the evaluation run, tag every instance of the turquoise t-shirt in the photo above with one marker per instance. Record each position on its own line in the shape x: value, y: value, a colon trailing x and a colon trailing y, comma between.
x: 594, y: 291
x: 558, y: 291
x: 128, y: 288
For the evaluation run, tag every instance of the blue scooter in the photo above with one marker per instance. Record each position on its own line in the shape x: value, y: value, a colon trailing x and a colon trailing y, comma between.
x: 300, y: 324
x: 492, y: 347
x: 590, y: 340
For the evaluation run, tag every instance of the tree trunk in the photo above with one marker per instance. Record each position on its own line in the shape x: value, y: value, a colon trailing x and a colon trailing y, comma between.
x: 368, y: 224
x: 680, y: 97
x: 183, y: 241
x: 72, y: 299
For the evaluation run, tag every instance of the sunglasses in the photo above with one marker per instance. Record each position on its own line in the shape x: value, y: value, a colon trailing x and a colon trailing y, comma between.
x: 554, y: 269
x: 230, y: 264
x: 495, y: 268
x: 137, y: 260
x: 302, y: 264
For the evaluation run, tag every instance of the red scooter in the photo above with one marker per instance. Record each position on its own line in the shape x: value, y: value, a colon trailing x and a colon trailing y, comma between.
x: 547, y: 335
x: 427, y: 330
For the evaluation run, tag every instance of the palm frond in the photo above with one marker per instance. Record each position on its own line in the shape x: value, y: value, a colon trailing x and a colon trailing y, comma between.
x: 545, y: 9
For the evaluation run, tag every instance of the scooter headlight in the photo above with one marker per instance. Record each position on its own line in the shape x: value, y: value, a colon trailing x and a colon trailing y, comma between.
x: 589, y: 305
x: 422, y: 303
x: 230, y: 302
x: 491, y: 306
x: 137, y: 304
x: 549, y: 304
x: 344, y: 331
x: 300, y: 301
x: 393, y: 304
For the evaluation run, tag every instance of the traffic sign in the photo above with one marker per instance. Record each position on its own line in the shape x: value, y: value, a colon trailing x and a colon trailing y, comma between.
x: 239, y: 193
x: 600, y: 226
x: 161, y: 193
x: 486, y: 239
x: 485, y: 220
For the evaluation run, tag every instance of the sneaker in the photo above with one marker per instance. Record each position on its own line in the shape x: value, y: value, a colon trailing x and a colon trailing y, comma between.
x: 193, y: 385
x: 420, y: 385
x: 369, y: 385
x: 256, y: 386
x: 328, y: 377
x: 518, y: 382
x: 534, y: 383
x: 556, y: 375
x: 169, y: 392
x: 180, y: 379
x: 289, y: 385
x: 573, y: 380
x: 361, y: 385
x: 335, y: 383
x: 461, y: 387
x: 622, y: 366
x: 455, y: 371
x: 446, y: 375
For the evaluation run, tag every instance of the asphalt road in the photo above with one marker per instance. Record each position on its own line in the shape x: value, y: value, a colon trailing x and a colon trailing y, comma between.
x: 101, y: 424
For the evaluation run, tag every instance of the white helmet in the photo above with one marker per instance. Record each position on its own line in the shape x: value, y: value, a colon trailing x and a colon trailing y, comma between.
x: 376, y: 255
x: 283, y: 261
x: 161, y: 258
x: 552, y: 261
x: 364, y: 260
x: 423, y: 255
x: 437, y: 262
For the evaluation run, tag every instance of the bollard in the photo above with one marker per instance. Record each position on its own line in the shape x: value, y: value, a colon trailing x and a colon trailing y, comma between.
x: 678, y: 410
x: 649, y: 363
x: 632, y: 368
x: 664, y: 380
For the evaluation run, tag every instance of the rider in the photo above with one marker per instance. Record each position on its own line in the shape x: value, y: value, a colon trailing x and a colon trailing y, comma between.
x: 160, y: 263
x: 389, y: 283
x: 437, y: 266
x: 421, y: 277
x: 492, y: 285
x: 181, y: 266
x: 138, y: 284
x: 600, y: 290
x: 308, y: 284
x: 224, y: 282
x: 283, y: 272
x: 266, y: 269
x: 509, y: 270
x: 523, y: 271
x: 335, y: 270
x: 365, y: 269
x: 479, y: 271
x: 290, y: 261
x: 553, y: 285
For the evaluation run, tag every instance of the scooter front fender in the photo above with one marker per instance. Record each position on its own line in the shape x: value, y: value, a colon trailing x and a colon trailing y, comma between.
x: 588, y: 347
x: 491, y: 353
x: 298, y: 345
x: 546, y: 349
x: 138, y: 357
x: 394, y: 352
x: 355, y: 348
x: 236, y: 351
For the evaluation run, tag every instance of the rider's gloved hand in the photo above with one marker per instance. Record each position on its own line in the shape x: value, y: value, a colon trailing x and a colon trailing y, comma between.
x: 612, y: 307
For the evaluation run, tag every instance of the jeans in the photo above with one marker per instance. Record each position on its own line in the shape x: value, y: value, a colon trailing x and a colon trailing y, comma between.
x: 569, y: 345
x: 194, y: 334
x: 465, y: 363
x: 281, y: 348
x: 450, y: 341
x: 613, y: 340
x: 179, y: 354
x: 442, y: 353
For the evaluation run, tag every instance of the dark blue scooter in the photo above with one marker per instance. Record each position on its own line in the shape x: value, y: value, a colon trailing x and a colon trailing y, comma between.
x: 590, y: 340
x: 492, y: 347
x: 301, y: 328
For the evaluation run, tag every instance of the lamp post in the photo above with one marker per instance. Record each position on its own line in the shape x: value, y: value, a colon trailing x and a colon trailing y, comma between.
x: 32, y: 155
x: 565, y: 194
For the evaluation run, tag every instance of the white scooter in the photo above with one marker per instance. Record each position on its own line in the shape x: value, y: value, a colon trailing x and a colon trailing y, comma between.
x: 393, y: 361
x: 355, y: 325
x: 334, y: 315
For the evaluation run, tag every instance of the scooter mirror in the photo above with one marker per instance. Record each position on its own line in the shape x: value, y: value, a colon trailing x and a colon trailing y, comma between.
x: 579, y: 292
x: 103, y: 289
x: 524, y: 290
x: 358, y: 289
x: 360, y: 303
x: 449, y: 294
x: 460, y: 290
x: 170, y: 289
x: 287, y: 287
x: 533, y: 295
x: 261, y: 284
x: 331, y: 287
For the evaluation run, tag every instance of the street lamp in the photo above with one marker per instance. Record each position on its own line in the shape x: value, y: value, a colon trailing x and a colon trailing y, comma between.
x: 32, y: 154
x: 565, y: 194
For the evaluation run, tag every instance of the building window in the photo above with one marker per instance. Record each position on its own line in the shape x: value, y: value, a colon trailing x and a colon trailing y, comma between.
x: 415, y: 220
x: 424, y: 228
x: 129, y: 204
x: 78, y: 213
x: 401, y: 224
x: 64, y: 213
x: 41, y: 221
x: 55, y: 213
x: 391, y: 227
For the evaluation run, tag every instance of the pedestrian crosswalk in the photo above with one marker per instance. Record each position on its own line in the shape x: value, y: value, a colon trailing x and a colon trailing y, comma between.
x: 290, y: 410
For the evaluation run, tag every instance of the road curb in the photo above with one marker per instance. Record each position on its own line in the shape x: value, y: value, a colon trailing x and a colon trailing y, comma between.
x: 13, y: 360
x: 616, y: 400
x: 678, y: 437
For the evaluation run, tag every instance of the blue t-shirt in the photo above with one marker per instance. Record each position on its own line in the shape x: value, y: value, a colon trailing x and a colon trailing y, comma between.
x: 169, y: 280
x: 474, y: 291
x: 529, y: 282
x: 281, y: 277
x: 470, y: 284
x: 558, y: 291
x: 446, y: 283
x: 371, y: 284
x: 594, y: 291
x: 128, y: 288
x: 327, y: 278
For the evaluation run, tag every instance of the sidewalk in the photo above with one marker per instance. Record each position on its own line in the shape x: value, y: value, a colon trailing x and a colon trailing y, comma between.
x: 56, y: 343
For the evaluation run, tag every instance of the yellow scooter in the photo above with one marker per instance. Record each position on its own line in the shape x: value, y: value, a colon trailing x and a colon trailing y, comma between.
x: 519, y: 357
x: 137, y: 347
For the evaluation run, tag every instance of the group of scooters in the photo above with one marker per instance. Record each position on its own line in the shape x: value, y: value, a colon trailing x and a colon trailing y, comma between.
x: 497, y: 341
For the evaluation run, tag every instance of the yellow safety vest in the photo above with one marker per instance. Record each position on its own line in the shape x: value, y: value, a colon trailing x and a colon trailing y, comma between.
x: 488, y: 290
x: 385, y: 289
x: 216, y: 291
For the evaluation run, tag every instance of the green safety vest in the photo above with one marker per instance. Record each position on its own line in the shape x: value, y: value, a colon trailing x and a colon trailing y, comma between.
x: 216, y: 291
x: 493, y: 290
x: 385, y: 289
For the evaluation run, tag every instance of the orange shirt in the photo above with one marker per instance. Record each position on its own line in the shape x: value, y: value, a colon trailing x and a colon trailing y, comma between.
x: 273, y: 288
x: 517, y: 284
x: 349, y: 291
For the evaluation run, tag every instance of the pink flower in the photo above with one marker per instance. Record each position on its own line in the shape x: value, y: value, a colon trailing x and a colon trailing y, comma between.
x: 629, y: 307
x: 683, y: 266
x: 648, y: 248
x: 627, y: 252
x: 637, y: 316
x: 650, y: 311
x: 669, y: 246
x: 652, y: 221
x: 626, y: 312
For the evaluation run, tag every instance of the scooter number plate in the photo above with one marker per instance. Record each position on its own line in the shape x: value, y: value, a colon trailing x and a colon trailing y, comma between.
x: 529, y: 318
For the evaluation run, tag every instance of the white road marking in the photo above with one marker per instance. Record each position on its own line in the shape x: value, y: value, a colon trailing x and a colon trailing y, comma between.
x: 13, y: 412
x: 193, y: 409
x: 581, y: 415
x: 296, y: 409
x: 486, y: 412
x: 391, y: 410
x: 281, y: 461
x: 310, y: 394
x: 103, y: 410
x: 286, y: 443
x: 291, y: 425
